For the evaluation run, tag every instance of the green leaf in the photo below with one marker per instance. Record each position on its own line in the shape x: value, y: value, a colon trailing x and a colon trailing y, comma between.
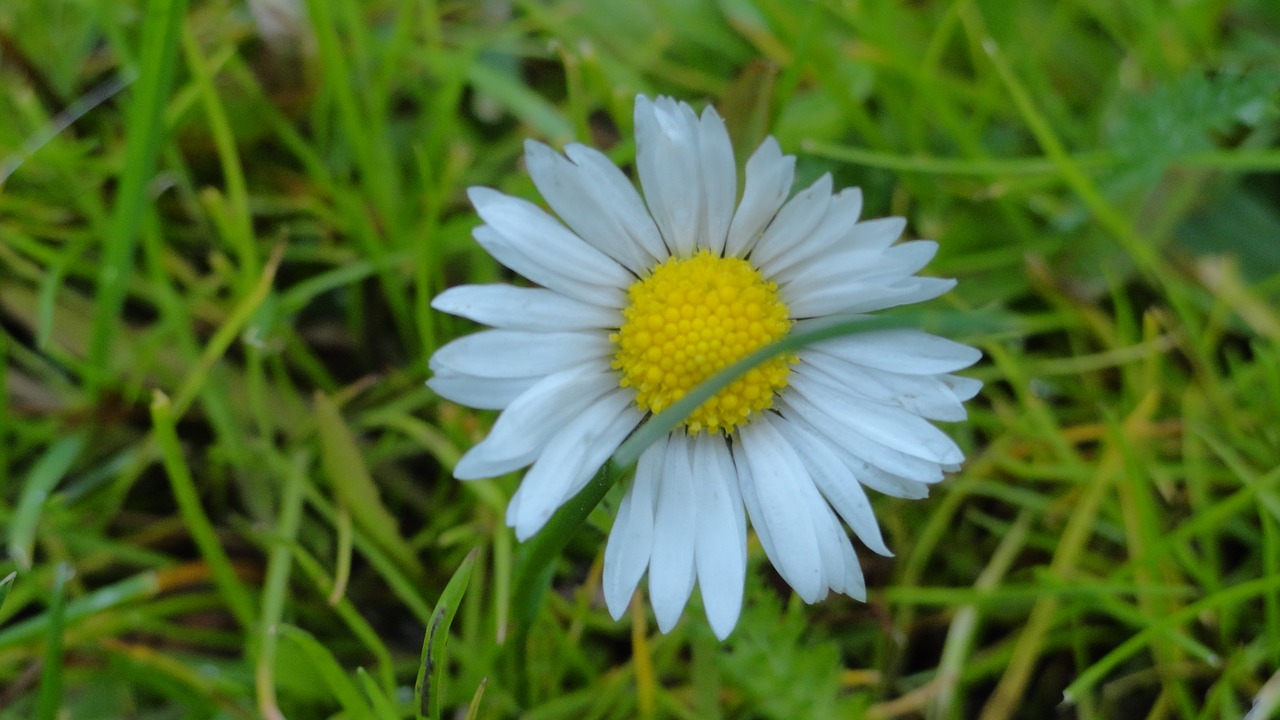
x: 49, y: 700
x: 331, y: 673
x: 6, y: 584
x: 46, y: 474
x: 355, y: 489
x: 384, y: 708
x: 429, y: 687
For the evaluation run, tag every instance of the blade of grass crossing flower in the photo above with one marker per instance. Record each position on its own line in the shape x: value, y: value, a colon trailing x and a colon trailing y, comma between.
x: 335, y: 679
x: 49, y: 700
x: 428, y: 689
x: 273, y: 591
x: 536, y: 558
x: 355, y: 489
x: 239, y: 602
x: 46, y: 474
x: 161, y: 30
x: 667, y: 420
x: 533, y: 570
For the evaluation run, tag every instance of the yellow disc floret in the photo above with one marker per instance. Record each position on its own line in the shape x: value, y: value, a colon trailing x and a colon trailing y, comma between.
x: 692, y: 317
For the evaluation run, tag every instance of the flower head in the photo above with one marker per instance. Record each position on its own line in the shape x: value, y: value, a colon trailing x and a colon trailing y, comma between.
x: 640, y: 300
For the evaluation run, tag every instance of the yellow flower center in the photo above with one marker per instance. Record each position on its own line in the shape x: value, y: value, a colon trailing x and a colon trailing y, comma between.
x: 691, y: 318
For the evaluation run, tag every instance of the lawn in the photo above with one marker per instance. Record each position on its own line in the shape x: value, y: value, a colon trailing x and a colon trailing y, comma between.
x: 226, y: 490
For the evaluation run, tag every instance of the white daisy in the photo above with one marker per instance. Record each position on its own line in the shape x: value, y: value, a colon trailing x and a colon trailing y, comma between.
x: 640, y: 300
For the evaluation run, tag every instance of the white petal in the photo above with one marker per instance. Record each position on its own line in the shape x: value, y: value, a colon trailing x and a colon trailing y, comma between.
x: 799, y: 410
x: 833, y: 544
x: 478, y: 392
x: 721, y: 550
x: 839, y: 487
x: 852, y: 263
x: 719, y: 179
x: 523, y: 429
x: 671, y: 567
x: 768, y: 182
x: 964, y: 388
x: 521, y: 236
x: 775, y: 478
x: 901, y: 350
x: 594, y: 206
x: 856, y: 296
x: 626, y: 555
x: 892, y: 427
x: 667, y: 161
x: 924, y: 395
x: 516, y: 353
x: 571, y: 457
x: 626, y: 204
x: 836, y: 224
x: 795, y: 222
x: 522, y: 308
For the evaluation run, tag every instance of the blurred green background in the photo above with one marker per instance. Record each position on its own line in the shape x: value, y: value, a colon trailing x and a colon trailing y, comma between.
x: 225, y: 490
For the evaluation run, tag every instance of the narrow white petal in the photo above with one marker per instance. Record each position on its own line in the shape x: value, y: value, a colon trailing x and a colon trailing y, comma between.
x: 626, y: 555
x: 837, y: 223
x: 478, y: 392
x: 571, y: 457
x: 892, y: 427
x: 719, y: 179
x: 586, y: 203
x: 522, y: 308
x: 857, y: 296
x: 964, y: 388
x: 795, y: 222
x: 859, y: 264
x: 902, y: 260
x: 795, y: 408
x: 550, y: 270
x: 667, y: 161
x: 721, y: 550
x: 768, y: 182
x: 776, y: 476
x: 523, y: 222
x: 837, y: 485
x: 517, y: 353
x: 614, y: 189
x: 526, y: 239
x: 924, y: 395
x: 671, y: 568
x: 523, y: 429
x: 833, y: 543
x: 903, y: 351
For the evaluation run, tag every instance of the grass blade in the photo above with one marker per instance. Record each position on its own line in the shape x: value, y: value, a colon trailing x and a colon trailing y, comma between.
x: 49, y: 699
x: 46, y: 474
x: 429, y: 687
x: 344, y: 466
x: 330, y: 672
x: 161, y: 32
x: 202, y: 531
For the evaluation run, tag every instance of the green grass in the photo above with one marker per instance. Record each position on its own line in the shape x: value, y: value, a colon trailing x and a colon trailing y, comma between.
x: 225, y: 491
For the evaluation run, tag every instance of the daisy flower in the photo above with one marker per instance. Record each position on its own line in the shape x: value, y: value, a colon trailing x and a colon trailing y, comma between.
x: 640, y: 300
